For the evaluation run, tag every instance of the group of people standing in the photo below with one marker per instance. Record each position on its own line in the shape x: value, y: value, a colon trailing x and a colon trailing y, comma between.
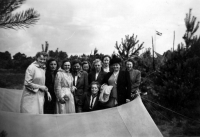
x: 76, y: 86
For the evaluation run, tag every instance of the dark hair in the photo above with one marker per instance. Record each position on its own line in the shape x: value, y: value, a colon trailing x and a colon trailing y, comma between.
x: 86, y: 62
x: 75, y: 62
x: 48, y: 64
x: 95, y: 83
x: 130, y: 60
x: 66, y: 60
x: 38, y: 54
x: 105, y: 57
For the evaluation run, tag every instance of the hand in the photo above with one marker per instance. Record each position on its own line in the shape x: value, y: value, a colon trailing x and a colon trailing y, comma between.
x: 103, y: 86
x: 66, y: 98
x: 134, y: 95
x: 62, y: 100
x: 127, y: 100
x: 49, y: 96
x: 73, y: 88
x: 44, y: 88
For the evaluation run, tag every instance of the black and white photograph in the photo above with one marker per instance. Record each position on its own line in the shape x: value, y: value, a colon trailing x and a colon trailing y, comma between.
x: 99, y: 68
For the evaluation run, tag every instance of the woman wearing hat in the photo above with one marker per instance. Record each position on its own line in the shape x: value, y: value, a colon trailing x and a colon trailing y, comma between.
x: 120, y: 81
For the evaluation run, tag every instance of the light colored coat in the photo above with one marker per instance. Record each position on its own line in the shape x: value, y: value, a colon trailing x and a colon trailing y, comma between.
x: 32, y: 97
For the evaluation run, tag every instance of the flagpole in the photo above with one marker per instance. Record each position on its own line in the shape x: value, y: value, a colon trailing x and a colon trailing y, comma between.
x: 153, y: 54
x: 173, y: 41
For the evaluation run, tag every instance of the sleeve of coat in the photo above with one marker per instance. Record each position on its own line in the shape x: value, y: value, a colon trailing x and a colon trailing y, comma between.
x: 57, y: 85
x: 29, y: 76
x: 86, y: 82
x: 138, y: 80
x: 128, y: 81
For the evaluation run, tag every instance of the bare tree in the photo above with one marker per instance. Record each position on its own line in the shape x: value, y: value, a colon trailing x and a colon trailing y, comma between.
x: 128, y: 48
x: 23, y: 19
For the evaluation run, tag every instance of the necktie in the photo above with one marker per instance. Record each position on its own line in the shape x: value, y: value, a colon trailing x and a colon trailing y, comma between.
x: 91, y: 105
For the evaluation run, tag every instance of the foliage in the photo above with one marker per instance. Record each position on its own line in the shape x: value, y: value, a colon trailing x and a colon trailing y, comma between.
x: 127, y: 48
x: 177, y: 82
x: 190, y: 28
x: 23, y: 19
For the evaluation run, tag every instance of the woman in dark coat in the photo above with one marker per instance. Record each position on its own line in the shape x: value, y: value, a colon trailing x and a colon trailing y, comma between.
x: 135, y: 78
x: 90, y: 100
x: 52, y: 68
x: 120, y: 81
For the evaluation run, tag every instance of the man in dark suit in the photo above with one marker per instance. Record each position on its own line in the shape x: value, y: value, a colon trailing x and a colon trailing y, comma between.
x: 97, y: 74
x: 90, y: 100
x: 80, y: 82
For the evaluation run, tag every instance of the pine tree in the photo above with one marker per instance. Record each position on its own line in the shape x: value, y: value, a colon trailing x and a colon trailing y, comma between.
x: 23, y: 19
x: 128, y: 48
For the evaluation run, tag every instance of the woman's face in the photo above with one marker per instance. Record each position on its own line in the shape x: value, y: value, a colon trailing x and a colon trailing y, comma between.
x: 97, y: 66
x: 94, y: 89
x: 86, y: 67
x: 129, y: 65
x: 41, y: 60
x: 106, y: 61
x: 53, y: 65
x: 116, y: 67
x: 67, y: 66
x: 77, y: 67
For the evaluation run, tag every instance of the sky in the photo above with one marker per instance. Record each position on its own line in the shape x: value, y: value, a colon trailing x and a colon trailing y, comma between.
x: 80, y: 26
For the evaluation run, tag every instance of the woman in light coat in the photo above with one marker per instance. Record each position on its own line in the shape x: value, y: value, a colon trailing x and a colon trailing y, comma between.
x: 34, y: 86
x: 63, y: 89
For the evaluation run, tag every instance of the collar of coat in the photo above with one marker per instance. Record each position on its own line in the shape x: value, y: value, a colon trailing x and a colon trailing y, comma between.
x: 79, y: 73
x: 37, y: 65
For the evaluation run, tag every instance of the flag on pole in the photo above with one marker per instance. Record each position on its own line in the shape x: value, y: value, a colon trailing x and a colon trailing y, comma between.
x: 158, y: 33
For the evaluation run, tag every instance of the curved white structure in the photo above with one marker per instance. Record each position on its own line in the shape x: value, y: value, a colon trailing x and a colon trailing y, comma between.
x: 129, y: 120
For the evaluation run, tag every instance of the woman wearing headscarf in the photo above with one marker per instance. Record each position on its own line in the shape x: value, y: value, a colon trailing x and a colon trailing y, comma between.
x: 135, y: 77
x: 120, y: 81
x: 64, y: 88
x: 97, y: 74
x: 51, y: 71
x: 34, y: 86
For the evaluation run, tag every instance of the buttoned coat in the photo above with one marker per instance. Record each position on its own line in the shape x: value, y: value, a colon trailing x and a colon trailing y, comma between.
x: 123, y: 86
x: 135, y: 80
x: 92, y: 75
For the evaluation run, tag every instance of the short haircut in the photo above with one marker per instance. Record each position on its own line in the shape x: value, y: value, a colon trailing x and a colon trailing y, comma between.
x: 66, y: 60
x: 130, y: 60
x: 96, y: 61
x: 95, y: 83
x: 106, y: 56
x: 38, y: 54
x: 75, y: 62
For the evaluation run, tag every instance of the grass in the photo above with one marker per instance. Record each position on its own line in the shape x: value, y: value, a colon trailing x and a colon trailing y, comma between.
x: 12, y: 80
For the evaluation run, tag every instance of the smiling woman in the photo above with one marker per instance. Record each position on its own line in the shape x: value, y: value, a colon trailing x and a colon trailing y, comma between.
x: 34, y: 86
